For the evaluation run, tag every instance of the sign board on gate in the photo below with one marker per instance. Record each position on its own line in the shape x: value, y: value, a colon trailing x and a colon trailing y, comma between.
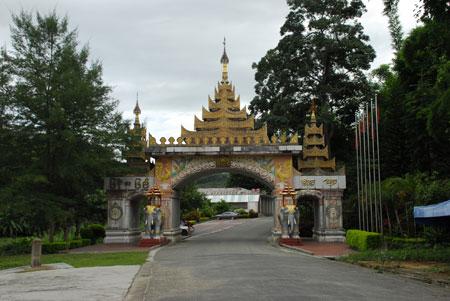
x: 319, y: 182
x: 128, y: 183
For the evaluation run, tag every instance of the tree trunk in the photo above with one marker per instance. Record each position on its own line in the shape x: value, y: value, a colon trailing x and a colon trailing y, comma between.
x: 66, y: 232
x: 398, y: 221
x: 51, y: 232
x: 77, y: 229
x: 389, y: 219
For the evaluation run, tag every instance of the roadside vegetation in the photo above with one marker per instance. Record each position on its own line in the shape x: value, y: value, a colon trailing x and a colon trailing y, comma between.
x: 79, y: 260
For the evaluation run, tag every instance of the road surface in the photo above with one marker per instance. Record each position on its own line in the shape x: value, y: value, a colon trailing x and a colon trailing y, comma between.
x: 232, y: 260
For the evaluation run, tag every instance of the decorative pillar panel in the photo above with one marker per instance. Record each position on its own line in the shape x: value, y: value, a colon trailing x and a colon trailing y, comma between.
x: 277, y: 199
x: 328, y: 217
x: 123, y: 219
x: 171, y: 210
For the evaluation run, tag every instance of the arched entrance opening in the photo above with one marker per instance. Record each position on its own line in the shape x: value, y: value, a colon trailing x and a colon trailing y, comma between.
x: 265, y: 204
x: 307, y: 205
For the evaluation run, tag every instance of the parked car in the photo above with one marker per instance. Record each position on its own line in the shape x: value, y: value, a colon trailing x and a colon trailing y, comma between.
x: 227, y: 214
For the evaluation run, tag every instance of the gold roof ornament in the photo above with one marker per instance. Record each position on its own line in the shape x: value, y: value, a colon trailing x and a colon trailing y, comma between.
x: 288, y: 192
x: 154, y: 194
x: 315, y: 151
x: 224, y: 121
x: 224, y: 61
x: 137, y: 112
x: 138, y: 134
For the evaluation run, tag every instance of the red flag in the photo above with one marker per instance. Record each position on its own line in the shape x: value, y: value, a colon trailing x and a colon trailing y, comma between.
x: 362, y: 126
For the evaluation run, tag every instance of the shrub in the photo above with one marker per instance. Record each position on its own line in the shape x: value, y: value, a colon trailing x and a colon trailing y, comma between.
x: 192, y: 215
x: 437, y: 235
x: 244, y: 215
x: 86, y: 233
x: 207, y: 211
x: 93, y: 232
x: 363, y: 240
x: 16, y: 246
x: 204, y: 219
x: 404, y: 242
x: 222, y: 206
x: 54, y: 247
x: 252, y: 213
x: 240, y: 211
x: 85, y: 242
x: 75, y: 244
x: 98, y: 230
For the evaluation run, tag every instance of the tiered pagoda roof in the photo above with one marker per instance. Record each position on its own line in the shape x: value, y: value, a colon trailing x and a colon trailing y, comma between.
x: 224, y: 121
x: 315, y: 152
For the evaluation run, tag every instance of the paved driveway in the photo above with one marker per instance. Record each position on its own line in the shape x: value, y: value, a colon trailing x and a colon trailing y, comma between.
x: 233, y: 261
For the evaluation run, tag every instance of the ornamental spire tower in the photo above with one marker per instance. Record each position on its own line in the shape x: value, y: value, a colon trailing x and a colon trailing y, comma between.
x: 225, y: 122
x: 315, y: 151
x: 224, y: 61
x: 137, y: 112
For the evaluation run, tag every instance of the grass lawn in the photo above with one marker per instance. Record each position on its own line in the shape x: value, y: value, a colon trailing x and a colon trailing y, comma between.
x: 79, y: 260
x: 431, y: 265
x: 441, y: 254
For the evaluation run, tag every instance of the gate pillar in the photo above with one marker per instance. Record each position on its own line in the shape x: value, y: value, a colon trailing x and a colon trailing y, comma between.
x: 170, y: 205
x: 123, y: 219
x: 328, y: 217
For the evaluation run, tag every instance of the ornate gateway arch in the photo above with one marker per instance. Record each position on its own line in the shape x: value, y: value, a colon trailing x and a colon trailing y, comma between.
x: 225, y: 139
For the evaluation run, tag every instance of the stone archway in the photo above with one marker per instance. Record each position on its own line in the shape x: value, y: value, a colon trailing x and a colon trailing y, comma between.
x: 225, y: 138
x: 172, y: 172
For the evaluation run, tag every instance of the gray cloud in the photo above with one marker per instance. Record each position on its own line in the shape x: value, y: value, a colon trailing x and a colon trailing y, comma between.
x: 169, y: 51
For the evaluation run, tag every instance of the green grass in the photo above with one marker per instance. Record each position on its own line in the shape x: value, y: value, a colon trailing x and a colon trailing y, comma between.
x: 441, y: 254
x: 79, y: 260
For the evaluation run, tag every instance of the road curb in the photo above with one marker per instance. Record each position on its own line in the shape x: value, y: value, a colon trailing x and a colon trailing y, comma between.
x: 298, y: 249
x: 138, y: 286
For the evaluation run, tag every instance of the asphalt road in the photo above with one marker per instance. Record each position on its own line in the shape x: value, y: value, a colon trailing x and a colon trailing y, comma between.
x: 232, y: 260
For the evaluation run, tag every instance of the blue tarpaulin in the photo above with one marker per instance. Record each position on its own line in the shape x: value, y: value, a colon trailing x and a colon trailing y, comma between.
x: 439, y: 213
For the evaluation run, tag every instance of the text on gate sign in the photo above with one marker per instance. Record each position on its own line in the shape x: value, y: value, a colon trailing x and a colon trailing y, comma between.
x: 128, y: 183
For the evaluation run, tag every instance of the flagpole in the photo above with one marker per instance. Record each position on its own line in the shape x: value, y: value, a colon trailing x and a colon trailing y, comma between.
x: 366, y: 205
x: 379, y: 166
x: 372, y: 134
x: 361, y: 173
x: 357, y: 172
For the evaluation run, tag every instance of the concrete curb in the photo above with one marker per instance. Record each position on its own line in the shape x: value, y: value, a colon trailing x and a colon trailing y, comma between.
x: 298, y: 249
x: 138, y: 286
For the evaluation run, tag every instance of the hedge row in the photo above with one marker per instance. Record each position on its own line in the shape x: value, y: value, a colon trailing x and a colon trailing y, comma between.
x: 405, y: 242
x: 23, y: 246
x: 363, y: 240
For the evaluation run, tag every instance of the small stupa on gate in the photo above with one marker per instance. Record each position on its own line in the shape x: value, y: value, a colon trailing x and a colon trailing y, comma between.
x: 225, y: 122
x: 315, y: 153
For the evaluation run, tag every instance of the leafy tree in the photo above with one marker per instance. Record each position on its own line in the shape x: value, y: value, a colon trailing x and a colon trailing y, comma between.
x: 395, y: 27
x: 192, y: 199
x: 72, y: 135
x: 221, y: 207
x: 322, y: 54
x: 415, y: 104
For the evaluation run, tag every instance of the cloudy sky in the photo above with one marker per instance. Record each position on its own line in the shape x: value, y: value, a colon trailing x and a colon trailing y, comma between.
x: 169, y: 50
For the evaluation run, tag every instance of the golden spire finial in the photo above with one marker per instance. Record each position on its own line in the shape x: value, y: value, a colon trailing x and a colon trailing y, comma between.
x: 313, y: 110
x: 137, y: 112
x: 224, y: 61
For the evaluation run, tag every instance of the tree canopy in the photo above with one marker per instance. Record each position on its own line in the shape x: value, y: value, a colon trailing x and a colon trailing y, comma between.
x: 322, y: 54
x: 60, y: 130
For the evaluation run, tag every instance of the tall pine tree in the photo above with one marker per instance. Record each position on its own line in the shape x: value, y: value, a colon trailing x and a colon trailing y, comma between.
x: 71, y: 132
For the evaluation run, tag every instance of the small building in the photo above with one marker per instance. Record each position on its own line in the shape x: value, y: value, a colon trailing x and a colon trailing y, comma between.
x: 240, y: 198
